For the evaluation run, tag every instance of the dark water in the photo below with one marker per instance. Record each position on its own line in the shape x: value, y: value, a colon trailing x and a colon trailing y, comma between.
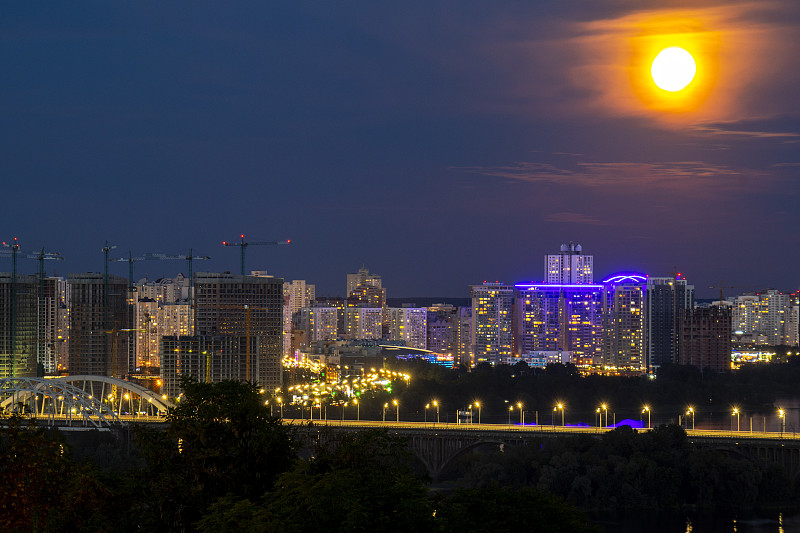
x: 775, y: 522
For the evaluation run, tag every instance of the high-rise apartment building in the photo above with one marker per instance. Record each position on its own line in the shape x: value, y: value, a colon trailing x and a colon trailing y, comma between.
x: 768, y: 316
x: 247, y: 307
x: 624, y: 297
x: 560, y: 318
x: 409, y: 324
x: 569, y: 267
x: 364, y: 322
x: 319, y: 323
x: 163, y: 308
x: 491, y: 322
x: 300, y: 293
x: 462, y: 337
x: 98, y: 344
x: 667, y: 298
x: 362, y: 278
x: 705, y: 338
x: 441, y: 325
x: 208, y: 359
x: 19, y: 325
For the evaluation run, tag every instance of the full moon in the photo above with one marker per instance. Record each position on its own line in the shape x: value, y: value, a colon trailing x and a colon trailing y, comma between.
x: 673, y: 69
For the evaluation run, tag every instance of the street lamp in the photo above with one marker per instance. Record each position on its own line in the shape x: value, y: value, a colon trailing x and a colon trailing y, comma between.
x: 647, y: 409
x: 358, y: 409
x: 561, y: 406
x: 436, y: 405
x: 478, y: 405
x: 691, y: 412
x: 510, y: 408
x: 736, y: 412
x: 521, y: 414
x: 782, y: 416
x: 599, y: 418
x: 384, y: 411
x: 397, y: 406
x: 427, y: 406
x: 604, y: 407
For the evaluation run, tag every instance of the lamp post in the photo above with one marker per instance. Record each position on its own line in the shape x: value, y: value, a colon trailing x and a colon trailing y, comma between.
x: 736, y: 412
x: 280, y: 402
x: 436, y: 405
x: 647, y: 409
x: 358, y: 409
x: 691, y: 412
x: 604, y: 407
x: 427, y: 406
x: 478, y: 405
x: 397, y: 407
x: 384, y: 412
x: 599, y: 417
x: 561, y: 407
x: 510, y: 408
x: 521, y: 414
x: 782, y: 416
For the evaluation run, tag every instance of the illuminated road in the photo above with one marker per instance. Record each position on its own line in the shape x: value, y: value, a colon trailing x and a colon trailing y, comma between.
x: 516, y: 428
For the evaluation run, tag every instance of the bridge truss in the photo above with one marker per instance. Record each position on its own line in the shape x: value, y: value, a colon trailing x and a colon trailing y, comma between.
x: 97, y: 401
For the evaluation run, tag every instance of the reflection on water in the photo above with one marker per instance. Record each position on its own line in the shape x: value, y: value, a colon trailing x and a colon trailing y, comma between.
x: 683, y: 523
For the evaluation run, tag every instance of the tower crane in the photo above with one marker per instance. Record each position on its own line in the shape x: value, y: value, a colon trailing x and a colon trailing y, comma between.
x: 721, y: 287
x: 244, y: 244
x: 41, y: 256
x: 149, y: 257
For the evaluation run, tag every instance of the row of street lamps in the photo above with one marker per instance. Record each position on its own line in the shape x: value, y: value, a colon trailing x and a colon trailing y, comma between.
x: 601, y: 411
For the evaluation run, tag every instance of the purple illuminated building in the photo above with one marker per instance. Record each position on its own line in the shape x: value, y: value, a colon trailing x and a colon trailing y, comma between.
x: 560, y: 317
x: 624, y: 301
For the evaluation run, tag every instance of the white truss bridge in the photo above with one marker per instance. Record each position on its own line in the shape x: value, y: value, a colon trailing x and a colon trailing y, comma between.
x: 97, y: 401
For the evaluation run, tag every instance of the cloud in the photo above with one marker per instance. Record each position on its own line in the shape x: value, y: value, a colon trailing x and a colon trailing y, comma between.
x: 567, y: 217
x: 724, y: 129
x: 699, y: 175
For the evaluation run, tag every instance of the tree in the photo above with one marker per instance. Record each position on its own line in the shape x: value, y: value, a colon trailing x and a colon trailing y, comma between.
x: 220, y: 440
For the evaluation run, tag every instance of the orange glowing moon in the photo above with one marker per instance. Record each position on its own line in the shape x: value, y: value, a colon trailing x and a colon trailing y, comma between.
x: 673, y: 69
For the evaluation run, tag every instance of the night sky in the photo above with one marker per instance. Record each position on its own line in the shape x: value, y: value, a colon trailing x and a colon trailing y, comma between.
x: 440, y: 144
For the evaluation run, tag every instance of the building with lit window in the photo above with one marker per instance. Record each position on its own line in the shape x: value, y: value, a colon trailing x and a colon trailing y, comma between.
x: 98, y: 333
x: 18, y: 325
x: 491, y: 322
x: 705, y: 338
x: 409, y: 324
x: 249, y: 307
x: 624, y: 321
x: 667, y: 298
x: 319, y: 323
x: 364, y: 322
x: 769, y: 317
x: 560, y: 318
x: 569, y: 267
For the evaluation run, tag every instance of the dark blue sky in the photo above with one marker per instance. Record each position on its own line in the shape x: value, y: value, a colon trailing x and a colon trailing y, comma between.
x: 439, y: 144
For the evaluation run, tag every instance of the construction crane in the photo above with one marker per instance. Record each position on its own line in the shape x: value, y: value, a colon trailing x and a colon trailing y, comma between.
x: 244, y: 244
x: 188, y: 258
x: 721, y: 287
x: 42, y: 256
x: 115, y: 350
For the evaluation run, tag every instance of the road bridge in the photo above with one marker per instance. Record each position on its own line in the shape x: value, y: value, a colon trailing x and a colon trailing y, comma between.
x: 437, y: 445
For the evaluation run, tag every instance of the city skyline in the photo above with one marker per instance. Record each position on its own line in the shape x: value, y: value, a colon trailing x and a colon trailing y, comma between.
x: 473, y: 137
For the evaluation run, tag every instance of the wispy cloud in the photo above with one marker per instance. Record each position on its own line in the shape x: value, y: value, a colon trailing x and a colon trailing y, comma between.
x: 727, y: 129
x: 697, y: 174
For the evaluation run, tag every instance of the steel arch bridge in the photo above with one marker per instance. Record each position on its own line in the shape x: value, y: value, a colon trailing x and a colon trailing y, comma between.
x: 98, y: 401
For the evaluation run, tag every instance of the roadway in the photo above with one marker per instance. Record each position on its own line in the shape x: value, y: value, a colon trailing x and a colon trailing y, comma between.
x: 452, y: 427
